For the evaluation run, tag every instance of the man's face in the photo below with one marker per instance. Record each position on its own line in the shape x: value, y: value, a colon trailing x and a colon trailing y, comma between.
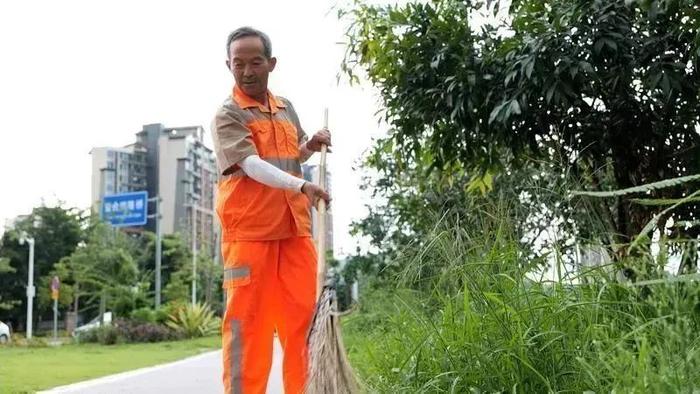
x: 249, y: 65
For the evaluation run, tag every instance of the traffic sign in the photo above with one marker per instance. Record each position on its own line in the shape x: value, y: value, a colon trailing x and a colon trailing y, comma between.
x: 55, y: 284
x: 125, y: 209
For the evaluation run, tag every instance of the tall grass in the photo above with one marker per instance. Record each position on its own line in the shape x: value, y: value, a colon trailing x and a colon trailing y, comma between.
x: 466, y: 317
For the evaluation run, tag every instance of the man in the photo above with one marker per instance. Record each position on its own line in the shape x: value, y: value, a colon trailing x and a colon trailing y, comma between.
x: 263, y: 205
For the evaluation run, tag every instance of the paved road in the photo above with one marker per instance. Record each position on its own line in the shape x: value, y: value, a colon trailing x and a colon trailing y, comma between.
x: 198, y: 374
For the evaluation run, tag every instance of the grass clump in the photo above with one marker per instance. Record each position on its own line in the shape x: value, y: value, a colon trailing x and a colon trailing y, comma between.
x: 467, y: 317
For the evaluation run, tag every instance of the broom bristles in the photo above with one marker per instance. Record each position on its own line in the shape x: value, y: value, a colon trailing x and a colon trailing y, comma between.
x: 329, y: 369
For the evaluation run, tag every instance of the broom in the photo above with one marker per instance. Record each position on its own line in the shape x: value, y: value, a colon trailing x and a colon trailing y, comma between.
x: 329, y: 369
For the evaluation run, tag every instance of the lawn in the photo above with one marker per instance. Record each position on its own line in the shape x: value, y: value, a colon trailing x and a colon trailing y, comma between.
x: 26, y: 370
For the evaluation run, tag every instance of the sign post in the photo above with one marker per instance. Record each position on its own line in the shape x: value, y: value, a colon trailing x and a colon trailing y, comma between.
x: 55, y: 284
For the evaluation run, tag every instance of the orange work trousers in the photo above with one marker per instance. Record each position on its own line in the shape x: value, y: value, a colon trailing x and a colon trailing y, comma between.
x: 270, y: 286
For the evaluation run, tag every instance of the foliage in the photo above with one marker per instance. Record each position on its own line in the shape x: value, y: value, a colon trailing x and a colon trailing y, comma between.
x: 175, y: 257
x: 209, y: 279
x: 135, y: 331
x: 128, y: 331
x: 195, y: 321
x: 4, y: 269
x: 107, y: 334
x: 608, y: 89
x: 104, y: 267
x: 469, y: 316
x: 56, y: 232
x: 144, y: 315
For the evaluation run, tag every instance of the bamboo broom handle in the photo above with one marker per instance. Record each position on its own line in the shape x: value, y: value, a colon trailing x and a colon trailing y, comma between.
x: 321, y: 217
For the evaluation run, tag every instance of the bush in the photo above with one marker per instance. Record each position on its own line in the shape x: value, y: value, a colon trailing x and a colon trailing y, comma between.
x: 162, y: 315
x: 195, y: 321
x: 144, y: 315
x: 129, y: 331
x: 107, y: 334
x: 135, y: 331
x: 19, y: 340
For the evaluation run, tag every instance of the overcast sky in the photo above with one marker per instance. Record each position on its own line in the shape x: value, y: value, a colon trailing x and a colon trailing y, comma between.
x: 80, y: 74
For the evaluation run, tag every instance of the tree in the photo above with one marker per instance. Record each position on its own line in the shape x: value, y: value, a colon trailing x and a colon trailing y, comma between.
x: 4, y: 269
x: 103, y: 272
x: 609, y: 89
x: 209, y: 280
x: 56, y: 232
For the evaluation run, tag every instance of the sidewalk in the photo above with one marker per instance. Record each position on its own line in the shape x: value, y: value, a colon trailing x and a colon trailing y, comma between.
x: 198, y: 374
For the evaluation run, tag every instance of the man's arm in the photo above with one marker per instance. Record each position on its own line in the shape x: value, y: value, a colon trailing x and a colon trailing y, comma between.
x: 269, y: 175
x: 304, y: 152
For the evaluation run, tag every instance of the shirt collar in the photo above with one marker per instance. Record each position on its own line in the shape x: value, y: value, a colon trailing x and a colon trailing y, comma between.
x: 244, y: 101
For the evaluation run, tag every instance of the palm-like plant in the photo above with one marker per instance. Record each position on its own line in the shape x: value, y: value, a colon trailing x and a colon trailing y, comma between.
x: 194, y: 321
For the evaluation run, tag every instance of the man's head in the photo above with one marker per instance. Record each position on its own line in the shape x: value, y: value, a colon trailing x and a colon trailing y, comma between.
x: 249, y: 57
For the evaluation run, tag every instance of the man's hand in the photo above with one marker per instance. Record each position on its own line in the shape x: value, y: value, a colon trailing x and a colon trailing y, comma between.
x: 315, y: 193
x: 322, y: 137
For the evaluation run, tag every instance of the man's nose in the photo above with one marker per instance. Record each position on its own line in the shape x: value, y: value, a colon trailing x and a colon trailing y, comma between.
x: 248, y: 71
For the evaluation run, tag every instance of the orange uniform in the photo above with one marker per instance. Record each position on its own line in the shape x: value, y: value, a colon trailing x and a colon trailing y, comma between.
x: 269, y: 257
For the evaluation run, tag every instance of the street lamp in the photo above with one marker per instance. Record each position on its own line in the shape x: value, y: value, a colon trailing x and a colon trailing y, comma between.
x: 31, y: 290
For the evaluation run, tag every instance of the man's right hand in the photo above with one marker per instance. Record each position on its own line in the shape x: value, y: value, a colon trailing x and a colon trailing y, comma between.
x: 315, y: 193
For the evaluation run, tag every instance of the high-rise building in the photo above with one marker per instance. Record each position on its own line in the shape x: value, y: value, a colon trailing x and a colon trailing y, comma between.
x: 118, y: 170
x: 172, y: 163
x: 311, y: 174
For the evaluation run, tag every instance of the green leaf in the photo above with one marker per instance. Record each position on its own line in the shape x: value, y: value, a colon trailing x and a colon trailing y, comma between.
x: 515, y: 107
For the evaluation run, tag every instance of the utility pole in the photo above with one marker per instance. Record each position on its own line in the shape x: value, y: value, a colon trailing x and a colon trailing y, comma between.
x: 31, y: 290
x: 159, y: 241
x: 194, y: 253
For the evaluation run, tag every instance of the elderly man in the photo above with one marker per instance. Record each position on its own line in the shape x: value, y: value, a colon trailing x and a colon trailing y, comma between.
x: 263, y: 205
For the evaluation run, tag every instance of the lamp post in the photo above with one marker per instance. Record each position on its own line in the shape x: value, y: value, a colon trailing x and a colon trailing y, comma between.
x: 194, y: 252
x: 159, y: 235
x: 31, y: 290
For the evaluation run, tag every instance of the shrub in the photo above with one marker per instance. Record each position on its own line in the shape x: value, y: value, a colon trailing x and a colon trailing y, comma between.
x: 21, y: 341
x: 162, y: 315
x: 135, y: 331
x: 144, y: 315
x: 195, y: 321
x: 107, y: 334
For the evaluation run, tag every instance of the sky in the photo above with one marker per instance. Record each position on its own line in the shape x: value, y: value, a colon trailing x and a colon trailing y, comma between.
x: 81, y: 74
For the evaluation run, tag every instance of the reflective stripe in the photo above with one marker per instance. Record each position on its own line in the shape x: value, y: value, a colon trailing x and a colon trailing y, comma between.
x: 286, y: 165
x: 236, y: 273
x: 236, y: 353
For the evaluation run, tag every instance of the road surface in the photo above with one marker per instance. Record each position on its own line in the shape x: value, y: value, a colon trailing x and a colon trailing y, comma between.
x: 198, y: 374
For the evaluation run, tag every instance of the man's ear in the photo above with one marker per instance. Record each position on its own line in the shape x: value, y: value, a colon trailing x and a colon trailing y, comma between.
x: 272, y: 63
x: 228, y: 64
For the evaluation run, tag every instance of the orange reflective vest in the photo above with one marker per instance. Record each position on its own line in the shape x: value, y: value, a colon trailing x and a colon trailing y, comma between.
x: 247, y: 209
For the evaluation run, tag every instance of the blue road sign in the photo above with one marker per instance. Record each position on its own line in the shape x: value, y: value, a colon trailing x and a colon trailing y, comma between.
x: 125, y: 209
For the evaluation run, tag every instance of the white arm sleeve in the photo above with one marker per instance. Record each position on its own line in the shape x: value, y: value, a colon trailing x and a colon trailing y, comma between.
x: 269, y: 175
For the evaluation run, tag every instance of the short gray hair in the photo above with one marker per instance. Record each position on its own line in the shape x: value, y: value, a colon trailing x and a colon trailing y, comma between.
x: 247, y: 31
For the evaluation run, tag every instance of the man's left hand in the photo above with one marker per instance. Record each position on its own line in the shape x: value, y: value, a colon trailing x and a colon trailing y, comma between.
x: 322, y: 137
